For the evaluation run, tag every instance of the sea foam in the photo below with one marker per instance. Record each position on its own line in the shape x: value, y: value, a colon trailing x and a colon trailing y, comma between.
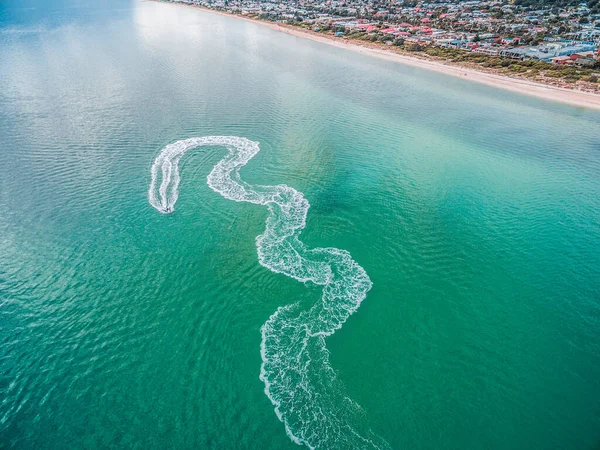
x: 295, y: 368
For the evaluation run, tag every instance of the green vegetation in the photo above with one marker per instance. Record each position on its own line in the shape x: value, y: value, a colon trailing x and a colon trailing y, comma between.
x: 530, y: 68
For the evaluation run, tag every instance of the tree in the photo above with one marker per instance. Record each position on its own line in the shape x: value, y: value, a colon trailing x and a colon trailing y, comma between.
x: 413, y: 47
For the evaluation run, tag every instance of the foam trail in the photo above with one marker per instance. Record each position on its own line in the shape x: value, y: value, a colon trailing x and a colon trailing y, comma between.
x: 295, y: 368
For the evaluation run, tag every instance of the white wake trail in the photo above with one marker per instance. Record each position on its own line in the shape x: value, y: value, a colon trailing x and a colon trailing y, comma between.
x: 295, y: 368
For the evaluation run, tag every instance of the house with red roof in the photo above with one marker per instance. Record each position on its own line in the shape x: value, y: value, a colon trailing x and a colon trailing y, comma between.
x: 367, y: 27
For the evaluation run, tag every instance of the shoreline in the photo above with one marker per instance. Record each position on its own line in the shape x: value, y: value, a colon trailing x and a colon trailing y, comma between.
x: 547, y: 92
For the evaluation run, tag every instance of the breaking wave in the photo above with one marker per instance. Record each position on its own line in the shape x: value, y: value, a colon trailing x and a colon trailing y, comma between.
x: 295, y: 368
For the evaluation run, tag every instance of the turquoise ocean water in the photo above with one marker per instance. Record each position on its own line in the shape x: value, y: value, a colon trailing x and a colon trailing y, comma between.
x: 475, y: 213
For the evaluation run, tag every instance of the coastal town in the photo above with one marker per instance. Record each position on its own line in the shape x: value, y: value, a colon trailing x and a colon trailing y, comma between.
x: 556, y: 43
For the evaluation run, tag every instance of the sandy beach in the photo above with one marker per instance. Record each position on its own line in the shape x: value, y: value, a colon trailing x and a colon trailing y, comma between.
x: 547, y: 92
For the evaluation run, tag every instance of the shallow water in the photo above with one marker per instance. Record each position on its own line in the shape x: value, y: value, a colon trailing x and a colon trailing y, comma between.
x: 473, y: 211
